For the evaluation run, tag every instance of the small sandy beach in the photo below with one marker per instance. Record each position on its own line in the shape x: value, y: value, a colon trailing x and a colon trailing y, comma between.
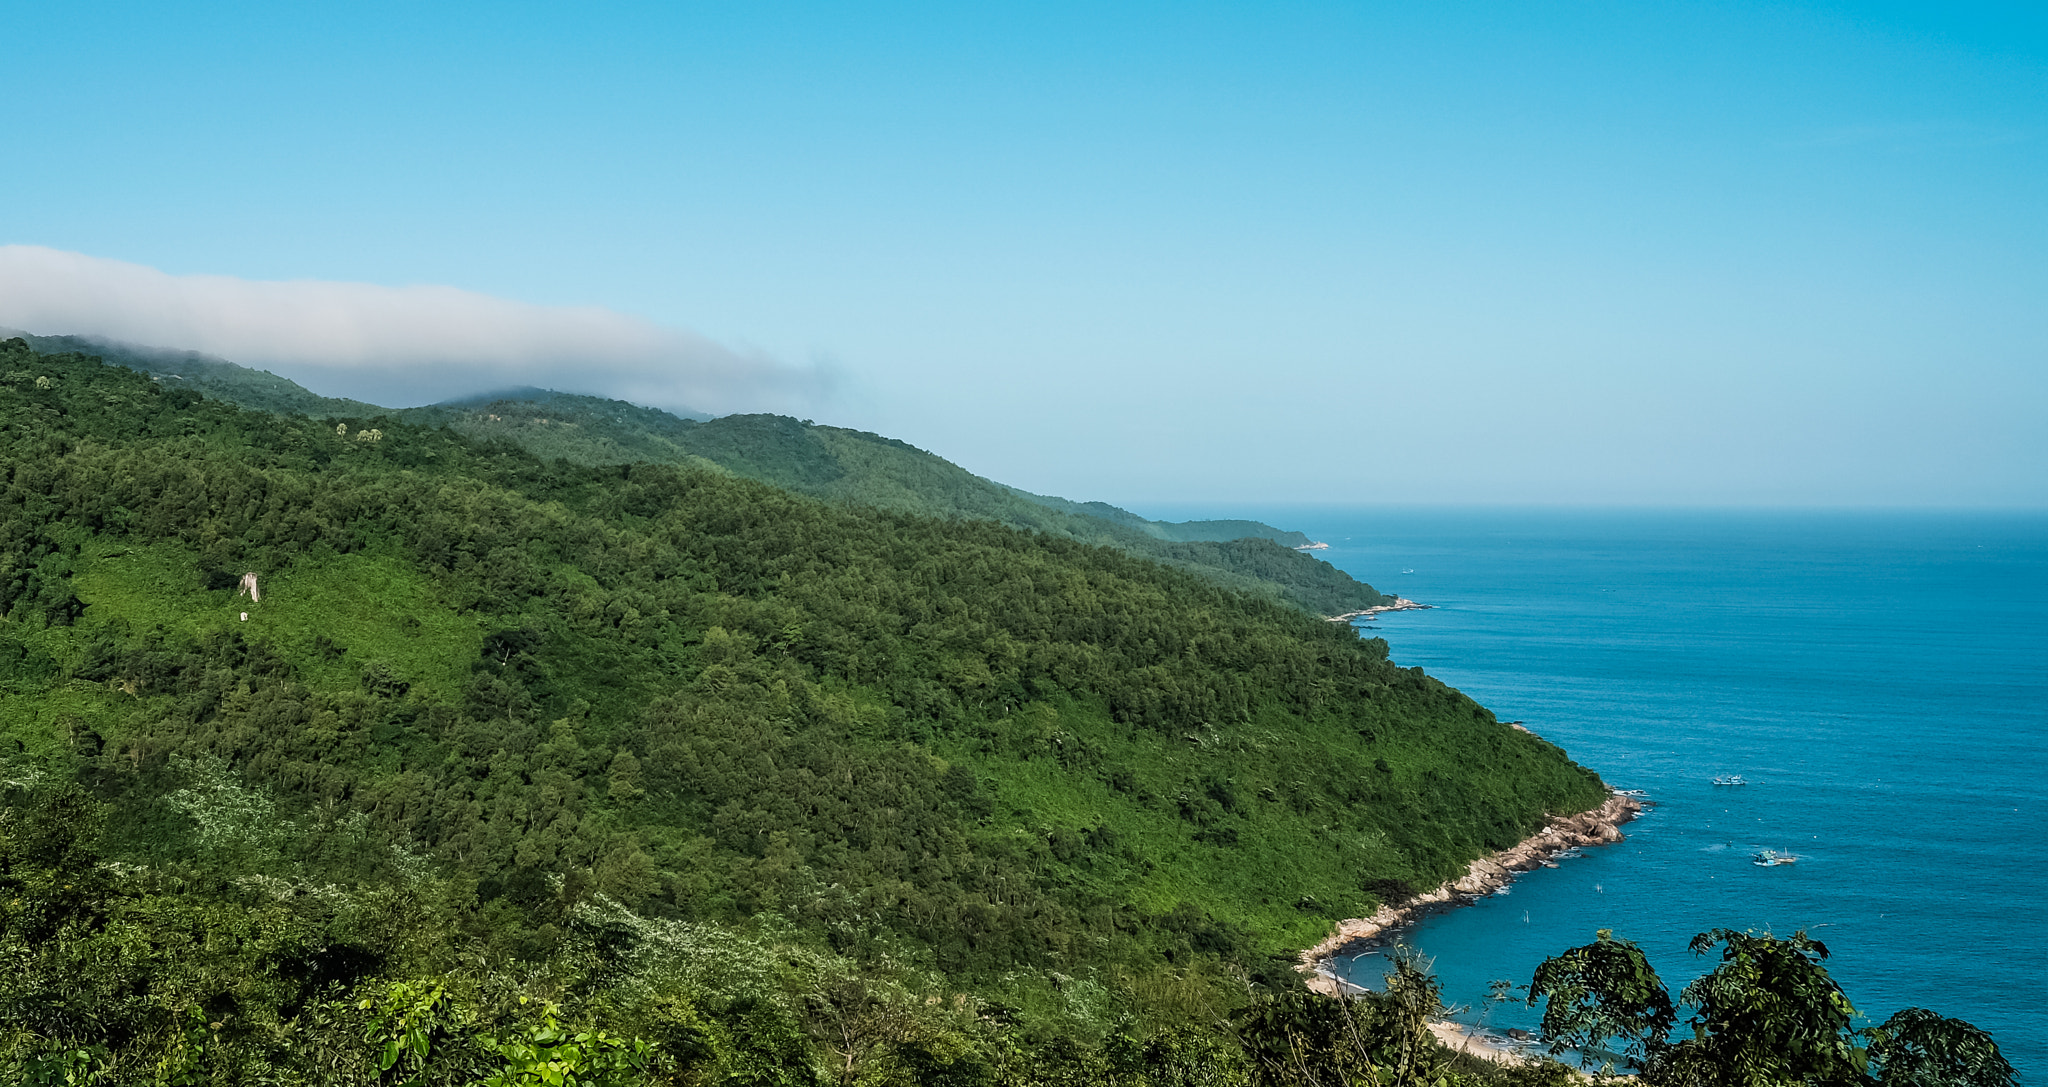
x: 1479, y: 1043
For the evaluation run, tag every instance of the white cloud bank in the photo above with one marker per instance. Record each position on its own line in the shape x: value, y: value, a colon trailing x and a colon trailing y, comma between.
x: 396, y: 346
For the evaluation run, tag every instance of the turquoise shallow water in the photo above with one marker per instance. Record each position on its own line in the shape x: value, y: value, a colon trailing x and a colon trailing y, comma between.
x: 1881, y: 680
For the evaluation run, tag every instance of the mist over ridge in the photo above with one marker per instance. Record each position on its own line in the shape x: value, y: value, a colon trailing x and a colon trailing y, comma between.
x: 398, y: 346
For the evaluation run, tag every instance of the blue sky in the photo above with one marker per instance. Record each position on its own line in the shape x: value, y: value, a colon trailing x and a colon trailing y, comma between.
x: 1723, y: 254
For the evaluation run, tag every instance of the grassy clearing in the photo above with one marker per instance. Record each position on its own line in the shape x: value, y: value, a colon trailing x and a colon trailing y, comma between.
x: 49, y: 720
x: 335, y: 615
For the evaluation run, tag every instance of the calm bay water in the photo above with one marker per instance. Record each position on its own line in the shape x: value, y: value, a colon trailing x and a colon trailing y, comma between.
x: 1881, y: 680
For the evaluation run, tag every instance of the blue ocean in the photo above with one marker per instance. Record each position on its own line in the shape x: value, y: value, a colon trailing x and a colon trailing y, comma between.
x: 1880, y: 681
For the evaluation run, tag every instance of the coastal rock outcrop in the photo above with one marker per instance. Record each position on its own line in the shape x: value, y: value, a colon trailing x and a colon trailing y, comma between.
x: 1401, y: 603
x: 1482, y: 877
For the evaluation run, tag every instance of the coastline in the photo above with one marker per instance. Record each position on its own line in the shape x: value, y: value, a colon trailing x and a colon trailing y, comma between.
x: 1600, y: 826
x: 1401, y: 603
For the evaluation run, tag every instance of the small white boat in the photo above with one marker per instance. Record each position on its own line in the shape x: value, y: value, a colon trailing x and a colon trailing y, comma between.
x: 1730, y: 779
x: 1770, y: 858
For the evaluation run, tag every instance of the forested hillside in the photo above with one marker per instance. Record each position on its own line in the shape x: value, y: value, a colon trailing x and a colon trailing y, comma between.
x: 859, y: 468
x: 826, y: 462
x: 1058, y: 777
x: 510, y: 772
x: 487, y: 591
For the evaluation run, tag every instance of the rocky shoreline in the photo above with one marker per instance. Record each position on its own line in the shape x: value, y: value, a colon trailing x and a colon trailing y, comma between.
x: 1484, y: 876
x: 1401, y: 603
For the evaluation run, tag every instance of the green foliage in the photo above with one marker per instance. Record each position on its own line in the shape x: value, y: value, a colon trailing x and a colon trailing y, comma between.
x: 1603, y: 991
x: 147, y: 979
x: 1383, y: 1038
x: 549, y: 1055
x: 403, y: 1028
x: 1767, y: 1014
x: 1917, y: 1046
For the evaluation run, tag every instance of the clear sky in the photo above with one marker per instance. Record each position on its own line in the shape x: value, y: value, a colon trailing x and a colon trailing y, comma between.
x: 1547, y: 253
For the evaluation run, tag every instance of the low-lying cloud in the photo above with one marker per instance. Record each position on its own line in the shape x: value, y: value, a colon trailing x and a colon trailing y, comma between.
x: 396, y: 346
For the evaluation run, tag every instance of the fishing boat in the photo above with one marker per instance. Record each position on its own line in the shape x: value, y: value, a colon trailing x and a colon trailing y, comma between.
x: 1770, y: 858
x: 1730, y: 779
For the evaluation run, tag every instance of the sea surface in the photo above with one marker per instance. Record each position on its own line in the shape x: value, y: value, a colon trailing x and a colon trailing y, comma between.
x: 1879, y: 679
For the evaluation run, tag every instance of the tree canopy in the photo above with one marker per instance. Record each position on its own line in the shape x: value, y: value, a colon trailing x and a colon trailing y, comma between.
x: 1767, y: 1014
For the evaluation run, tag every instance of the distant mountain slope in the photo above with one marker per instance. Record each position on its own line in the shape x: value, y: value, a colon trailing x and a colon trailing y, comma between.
x: 868, y: 469
x: 583, y: 430
x: 1177, y: 531
x: 828, y: 462
x: 209, y: 375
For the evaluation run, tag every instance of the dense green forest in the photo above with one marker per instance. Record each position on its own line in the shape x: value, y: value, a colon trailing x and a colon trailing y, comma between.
x: 1002, y: 758
x: 515, y: 771
x: 859, y: 468
x: 833, y: 463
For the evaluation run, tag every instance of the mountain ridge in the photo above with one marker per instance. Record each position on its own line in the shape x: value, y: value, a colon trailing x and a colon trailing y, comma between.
x: 834, y: 463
